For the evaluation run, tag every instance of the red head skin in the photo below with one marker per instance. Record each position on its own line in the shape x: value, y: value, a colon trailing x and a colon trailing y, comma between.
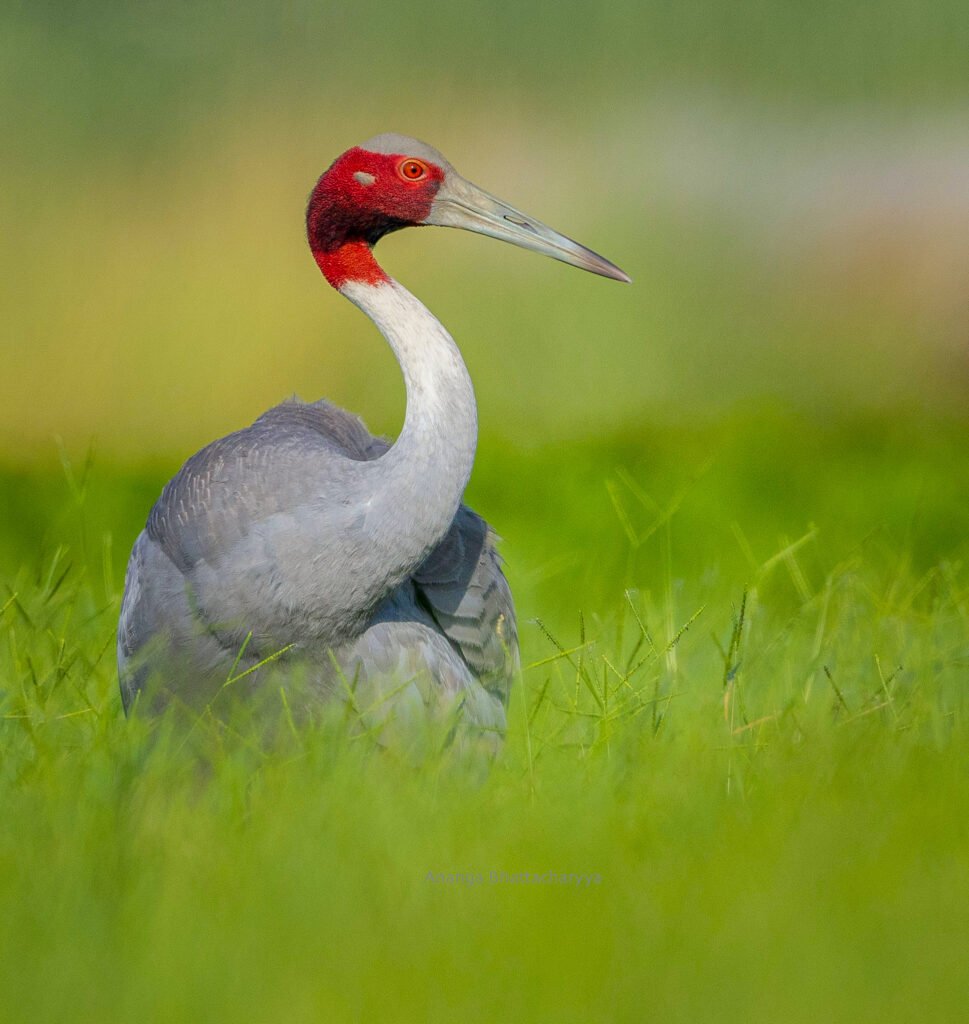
x: 348, y: 213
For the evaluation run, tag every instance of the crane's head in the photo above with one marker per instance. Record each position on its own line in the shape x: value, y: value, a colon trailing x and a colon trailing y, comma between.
x: 392, y: 182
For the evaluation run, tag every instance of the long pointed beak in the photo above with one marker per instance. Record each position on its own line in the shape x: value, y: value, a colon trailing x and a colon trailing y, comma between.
x: 459, y: 204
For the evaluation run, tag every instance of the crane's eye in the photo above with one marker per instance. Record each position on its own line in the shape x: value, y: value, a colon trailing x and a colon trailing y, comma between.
x: 412, y: 170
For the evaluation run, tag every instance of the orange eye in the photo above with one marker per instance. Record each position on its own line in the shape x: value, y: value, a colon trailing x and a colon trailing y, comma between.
x: 412, y: 170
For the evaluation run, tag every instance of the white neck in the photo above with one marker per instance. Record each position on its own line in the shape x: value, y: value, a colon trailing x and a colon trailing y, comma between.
x: 417, y: 486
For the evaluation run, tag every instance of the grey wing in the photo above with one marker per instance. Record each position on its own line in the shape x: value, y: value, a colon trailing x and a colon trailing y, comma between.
x: 205, y: 511
x: 251, y: 474
x: 463, y: 588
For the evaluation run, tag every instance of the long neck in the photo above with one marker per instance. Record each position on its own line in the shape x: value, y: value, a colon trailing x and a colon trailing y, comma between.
x: 417, y: 486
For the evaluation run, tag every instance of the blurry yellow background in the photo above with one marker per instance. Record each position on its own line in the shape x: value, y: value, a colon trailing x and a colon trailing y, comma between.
x: 787, y: 184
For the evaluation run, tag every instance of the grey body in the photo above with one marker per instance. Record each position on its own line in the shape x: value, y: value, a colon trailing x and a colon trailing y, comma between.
x: 207, y: 580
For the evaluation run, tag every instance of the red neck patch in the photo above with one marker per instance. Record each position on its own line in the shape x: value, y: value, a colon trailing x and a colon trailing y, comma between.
x: 352, y: 261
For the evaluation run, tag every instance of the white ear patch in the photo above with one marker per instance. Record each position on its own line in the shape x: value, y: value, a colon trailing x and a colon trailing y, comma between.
x: 364, y: 178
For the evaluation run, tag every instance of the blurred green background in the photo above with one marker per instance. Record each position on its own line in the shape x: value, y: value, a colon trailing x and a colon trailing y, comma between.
x: 736, y: 492
x: 787, y: 184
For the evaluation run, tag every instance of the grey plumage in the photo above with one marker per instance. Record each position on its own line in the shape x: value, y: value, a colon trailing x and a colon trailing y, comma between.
x: 453, y: 619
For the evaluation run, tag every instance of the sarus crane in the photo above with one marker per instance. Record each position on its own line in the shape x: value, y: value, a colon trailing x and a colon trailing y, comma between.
x: 305, y: 545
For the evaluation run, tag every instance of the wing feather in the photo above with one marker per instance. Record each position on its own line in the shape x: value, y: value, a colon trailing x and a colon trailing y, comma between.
x: 463, y: 587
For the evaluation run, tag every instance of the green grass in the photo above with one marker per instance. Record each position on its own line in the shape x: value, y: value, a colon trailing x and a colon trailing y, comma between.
x: 745, y: 710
